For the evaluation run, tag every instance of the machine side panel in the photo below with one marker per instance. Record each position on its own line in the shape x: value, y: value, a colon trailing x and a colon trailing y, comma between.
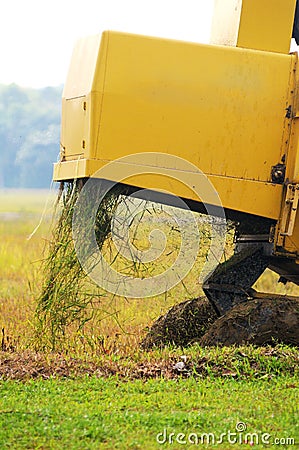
x: 255, y: 24
x: 81, y: 99
x: 267, y: 25
x: 252, y: 197
x: 223, y: 109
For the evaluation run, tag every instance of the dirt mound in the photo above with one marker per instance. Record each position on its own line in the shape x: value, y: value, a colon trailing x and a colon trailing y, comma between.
x: 259, y: 322
x: 182, y: 324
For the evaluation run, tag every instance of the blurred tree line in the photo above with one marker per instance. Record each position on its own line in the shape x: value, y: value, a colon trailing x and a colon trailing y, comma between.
x: 29, y: 135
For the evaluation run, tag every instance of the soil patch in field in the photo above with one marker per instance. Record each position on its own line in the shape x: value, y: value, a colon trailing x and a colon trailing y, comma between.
x: 31, y: 365
x: 259, y: 322
x: 24, y: 366
x: 236, y: 362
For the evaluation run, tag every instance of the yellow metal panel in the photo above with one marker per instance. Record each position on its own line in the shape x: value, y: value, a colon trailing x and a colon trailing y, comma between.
x: 82, y: 67
x: 266, y: 25
x: 74, y: 134
x: 226, y: 21
x: 293, y: 160
x: 246, y: 196
x: 81, y: 99
x: 256, y: 24
x: 292, y: 172
x: 223, y: 109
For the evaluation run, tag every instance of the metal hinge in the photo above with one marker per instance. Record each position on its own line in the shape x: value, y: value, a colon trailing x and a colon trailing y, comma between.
x: 289, y: 212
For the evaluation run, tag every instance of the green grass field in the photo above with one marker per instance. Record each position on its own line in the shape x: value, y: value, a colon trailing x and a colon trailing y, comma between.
x: 102, y: 391
x: 109, y: 414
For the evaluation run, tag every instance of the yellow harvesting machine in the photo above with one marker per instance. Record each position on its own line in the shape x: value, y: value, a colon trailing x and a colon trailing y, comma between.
x: 230, y: 108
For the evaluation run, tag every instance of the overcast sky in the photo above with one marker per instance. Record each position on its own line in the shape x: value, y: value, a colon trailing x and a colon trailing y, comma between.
x: 37, y: 36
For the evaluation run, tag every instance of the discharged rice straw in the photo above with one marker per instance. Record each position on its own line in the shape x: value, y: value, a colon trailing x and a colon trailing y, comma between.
x: 67, y: 293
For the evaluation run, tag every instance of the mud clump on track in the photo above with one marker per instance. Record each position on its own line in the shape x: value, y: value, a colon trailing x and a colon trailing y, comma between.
x: 259, y: 322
